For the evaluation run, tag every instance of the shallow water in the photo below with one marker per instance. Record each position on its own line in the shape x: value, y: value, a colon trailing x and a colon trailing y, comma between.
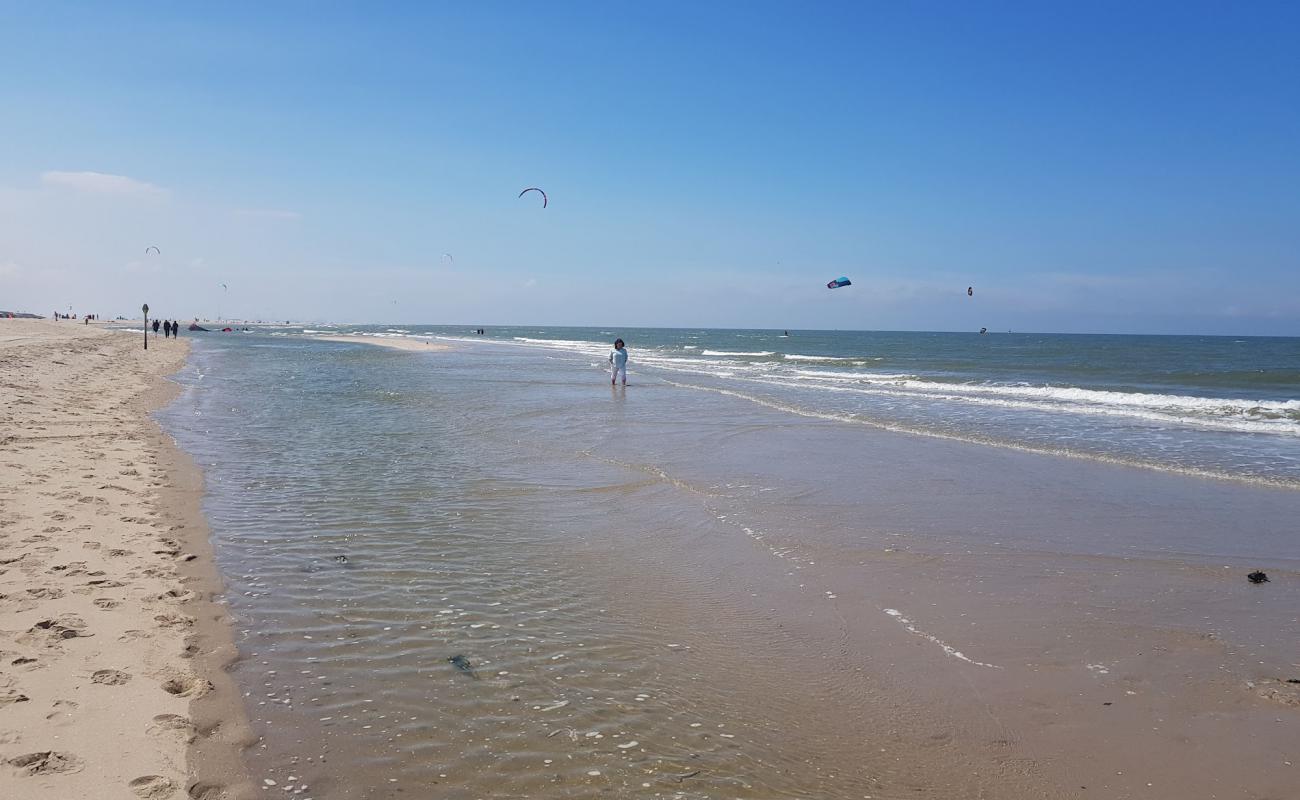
x: 1220, y: 406
x: 677, y: 589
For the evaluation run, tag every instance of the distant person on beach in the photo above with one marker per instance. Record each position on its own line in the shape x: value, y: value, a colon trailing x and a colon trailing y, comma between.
x: 176, y: 329
x: 167, y: 329
x: 618, y: 359
x: 156, y: 323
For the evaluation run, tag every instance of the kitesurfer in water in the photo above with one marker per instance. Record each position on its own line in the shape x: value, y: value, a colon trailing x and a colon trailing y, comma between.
x: 618, y: 360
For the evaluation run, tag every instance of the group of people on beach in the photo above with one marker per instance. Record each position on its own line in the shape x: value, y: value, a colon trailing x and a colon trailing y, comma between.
x: 170, y: 328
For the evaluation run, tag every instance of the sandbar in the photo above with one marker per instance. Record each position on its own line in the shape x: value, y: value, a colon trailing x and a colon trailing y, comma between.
x: 396, y: 343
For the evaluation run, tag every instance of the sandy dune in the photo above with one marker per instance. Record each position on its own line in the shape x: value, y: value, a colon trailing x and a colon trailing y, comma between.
x: 108, y: 637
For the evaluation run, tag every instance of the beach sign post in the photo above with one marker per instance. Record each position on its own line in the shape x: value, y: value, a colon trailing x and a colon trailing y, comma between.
x: 145, y: 309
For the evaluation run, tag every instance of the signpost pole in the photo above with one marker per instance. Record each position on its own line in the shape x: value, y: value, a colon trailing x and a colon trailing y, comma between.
x: 145, y: 309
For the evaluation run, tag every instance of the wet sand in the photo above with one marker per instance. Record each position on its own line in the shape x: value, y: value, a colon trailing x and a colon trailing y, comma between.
x: 112, y: 651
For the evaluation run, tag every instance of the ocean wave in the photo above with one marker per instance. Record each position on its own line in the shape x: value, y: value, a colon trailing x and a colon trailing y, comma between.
x: 797, y: 357
x: 735, y: 353
x: 1230, y: 418
x: 852, y: 376
x: 566, y: 344
x: 1190, y: 404
x: 976, y: 438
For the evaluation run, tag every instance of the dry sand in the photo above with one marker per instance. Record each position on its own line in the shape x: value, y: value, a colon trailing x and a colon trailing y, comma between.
x: 423, y: 345
x: 111, y: 648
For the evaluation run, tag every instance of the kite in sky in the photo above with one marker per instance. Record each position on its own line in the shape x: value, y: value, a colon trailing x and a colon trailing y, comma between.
x: 535, y: 189
x: 838, y: 282
x: 153, y: 248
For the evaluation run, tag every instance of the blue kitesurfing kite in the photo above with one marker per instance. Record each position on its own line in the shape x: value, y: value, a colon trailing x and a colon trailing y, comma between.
x: 838, y: 282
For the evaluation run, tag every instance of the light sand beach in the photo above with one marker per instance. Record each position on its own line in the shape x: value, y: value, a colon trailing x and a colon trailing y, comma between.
x: 111, y: 650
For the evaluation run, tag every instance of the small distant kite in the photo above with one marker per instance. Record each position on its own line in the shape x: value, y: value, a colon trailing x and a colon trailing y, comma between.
x: 838, y: 282
x: 447, y: 257
x: 984, y: 331
x: 153, y: 248
x: 970, y: 291
x: 535, y: 189
x: 223, y: 286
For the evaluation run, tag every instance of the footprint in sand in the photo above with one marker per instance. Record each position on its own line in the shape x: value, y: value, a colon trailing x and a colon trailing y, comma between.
x: 104, y: 602
x: 104, y: 583
x: 168, y: 548
x: 202, y: 790
x: 48, y: 762
x: 152, y: 787
x: 166, y: 724
x: 187, y: 686
x: 110, y: 677
x: 9, y: 697
x: 64, y: 626
x: 172, y: 620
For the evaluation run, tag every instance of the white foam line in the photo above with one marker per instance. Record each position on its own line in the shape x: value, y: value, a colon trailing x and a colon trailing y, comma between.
x: 1255, y: 411
x: 736, y: 353
x: 968, y: 439
x: 947, y: 648
x: 1281, y: 427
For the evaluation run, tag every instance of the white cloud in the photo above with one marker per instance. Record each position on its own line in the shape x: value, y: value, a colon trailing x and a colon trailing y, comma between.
x: 101, y: 183
x: 267, y: 213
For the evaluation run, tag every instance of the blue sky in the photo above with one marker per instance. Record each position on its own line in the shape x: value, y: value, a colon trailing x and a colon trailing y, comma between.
x: 1110, y: 167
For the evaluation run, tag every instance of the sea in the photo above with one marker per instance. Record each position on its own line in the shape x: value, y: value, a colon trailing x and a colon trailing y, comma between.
x: 1226, y: 407
x: 776, y: 564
